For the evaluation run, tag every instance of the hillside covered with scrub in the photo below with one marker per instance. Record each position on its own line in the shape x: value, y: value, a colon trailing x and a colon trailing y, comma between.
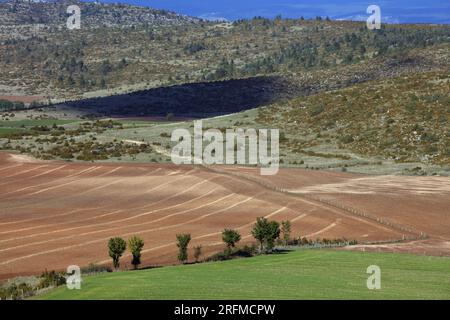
x: 93, y: 121
x: 404, y: 118
x: 342, y: 95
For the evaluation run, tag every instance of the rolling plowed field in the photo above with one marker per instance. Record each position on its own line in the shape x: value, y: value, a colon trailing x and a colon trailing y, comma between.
x: 55, y: 214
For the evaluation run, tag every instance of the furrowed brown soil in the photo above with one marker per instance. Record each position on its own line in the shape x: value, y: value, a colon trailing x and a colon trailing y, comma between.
x: 54, y: 214
x: 418, y: 204
x: 24, y: 99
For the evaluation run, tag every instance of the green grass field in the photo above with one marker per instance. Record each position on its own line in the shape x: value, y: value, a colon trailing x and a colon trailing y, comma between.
x: 32, y: 123
x: 303, y: 274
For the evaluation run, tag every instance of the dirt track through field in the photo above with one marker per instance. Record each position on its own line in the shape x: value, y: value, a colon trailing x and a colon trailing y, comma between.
x: 55, y: 214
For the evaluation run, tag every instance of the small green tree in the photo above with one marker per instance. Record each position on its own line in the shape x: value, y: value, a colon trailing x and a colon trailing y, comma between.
x: 182, y: 244
x: 286, y: 230
x: 135, y: 244
x: 230, y: 237
x: 197, y: 252
x: 259, y: 232
x: 273, y: 233
x: 266, y: 233
x: 117, y: 247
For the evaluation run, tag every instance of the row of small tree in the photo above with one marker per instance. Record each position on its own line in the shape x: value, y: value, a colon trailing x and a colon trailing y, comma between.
x: 264, y: 231
x: 117, y: 247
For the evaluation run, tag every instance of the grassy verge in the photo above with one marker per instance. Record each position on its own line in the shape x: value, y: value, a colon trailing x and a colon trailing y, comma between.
x: 303, y: 274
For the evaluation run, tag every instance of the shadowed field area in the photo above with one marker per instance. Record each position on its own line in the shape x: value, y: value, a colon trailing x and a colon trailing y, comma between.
x: 191, y: 99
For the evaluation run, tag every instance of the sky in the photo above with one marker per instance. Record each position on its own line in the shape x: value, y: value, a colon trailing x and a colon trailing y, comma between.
x: 397, y: 11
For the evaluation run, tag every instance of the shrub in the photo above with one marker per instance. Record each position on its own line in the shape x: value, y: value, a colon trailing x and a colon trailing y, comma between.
x: 316, y: 110
x: 51, y: 279
x: 16, y: 292
x: 266, y: 233
x: 244, y: 252
x: 95, y: 268
x: 286, y: 230
x: 117, y: 247
x: 347, y: 139
x: 136, y: 244
x: 230, y: 237
x: 182, y: 244
x: 197, y: 252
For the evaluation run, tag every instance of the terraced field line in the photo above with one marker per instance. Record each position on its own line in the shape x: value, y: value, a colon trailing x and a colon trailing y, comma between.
x: 146, y: 223
x: 109, y: 172
x: 106, y: 206
x: 198, y: 218
x: 121, y: 235
x: 101, y: 175
x: 313, y: 202
x: 49, y: 188
x: 86, y: 226
x: 19, y: 173
x: 132, y: 225
x: 46, y: 172
x: 41, y: 184
x: 40, y: 218
x: 178, y: 225
x: 114, y: 182
x: 95, y: 217
x: 330, y: 226
x: 172, y: 196
x: 57, y: 186
x: 299, y: 217
x: 102, y: 207
x: 13, y: 166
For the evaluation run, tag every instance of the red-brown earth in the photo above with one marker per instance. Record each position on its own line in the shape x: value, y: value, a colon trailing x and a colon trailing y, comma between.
x: 56, y: 214
x: 24, y: 99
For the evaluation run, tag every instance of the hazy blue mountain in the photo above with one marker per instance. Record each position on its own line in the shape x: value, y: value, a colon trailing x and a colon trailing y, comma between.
x: 398, y: 11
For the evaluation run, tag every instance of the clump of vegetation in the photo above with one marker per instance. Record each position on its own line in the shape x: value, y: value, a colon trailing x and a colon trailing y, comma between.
x: 24, y: 287
x: 266, y: 232
x: 51, y: 279
x: 135, y: 244
x: 16, y: 291
x: 94, y: 269
x: 230, y: 237
x: 246, y: 251
x: 324, y: 242
x: 117, y: 247
x: 402, y: 119
x: 182, y: 244
x: 197, y: 253
x: 286, y: 230
x: 194, y: 48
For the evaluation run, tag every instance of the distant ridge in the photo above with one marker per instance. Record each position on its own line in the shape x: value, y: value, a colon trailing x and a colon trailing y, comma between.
x: 19, y: 12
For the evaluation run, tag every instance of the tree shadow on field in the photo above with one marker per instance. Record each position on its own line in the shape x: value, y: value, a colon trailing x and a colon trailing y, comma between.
x: 148, y: 267
x: 281, y: 251
x: 194, y: 100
